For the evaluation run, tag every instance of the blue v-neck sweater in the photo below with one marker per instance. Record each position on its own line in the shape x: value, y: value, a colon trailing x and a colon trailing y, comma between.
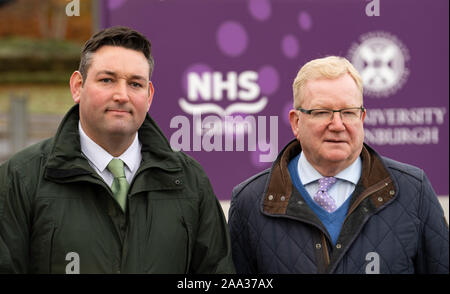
x: 332, y: 221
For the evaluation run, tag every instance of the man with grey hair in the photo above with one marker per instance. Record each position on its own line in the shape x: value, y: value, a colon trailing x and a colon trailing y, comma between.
x: 330, y: 203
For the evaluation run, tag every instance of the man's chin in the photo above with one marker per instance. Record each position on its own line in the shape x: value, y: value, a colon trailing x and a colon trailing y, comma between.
x: 336, y: 156
x: 120, y: 130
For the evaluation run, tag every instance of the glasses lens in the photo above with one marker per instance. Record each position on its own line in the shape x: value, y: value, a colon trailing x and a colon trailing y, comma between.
x: 321, y: 114
x: 348, y: 115
x: 351, y: 114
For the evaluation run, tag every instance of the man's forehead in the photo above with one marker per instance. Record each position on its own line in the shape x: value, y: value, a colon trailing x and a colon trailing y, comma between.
x: 323, y: 90
x: 119, y: 61
x: 111, y: 53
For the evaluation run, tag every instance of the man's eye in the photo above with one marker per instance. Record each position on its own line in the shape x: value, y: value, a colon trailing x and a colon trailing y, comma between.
x: 136, y: 85
x: 321, y: 112
x: 349, y: 113
x: 106, y: 80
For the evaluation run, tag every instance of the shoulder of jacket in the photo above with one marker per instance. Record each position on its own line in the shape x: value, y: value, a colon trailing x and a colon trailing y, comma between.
x: 23, y: 169
x: 186, y: 160
x: 191, y: 167
x: 28, y: 157
x: 403, y: 168
x: 255, y: 182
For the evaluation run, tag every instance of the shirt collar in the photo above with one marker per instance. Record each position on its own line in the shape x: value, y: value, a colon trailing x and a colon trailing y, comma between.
x: 309, y: 174
x: 131, y: 156
x: 101, y: 158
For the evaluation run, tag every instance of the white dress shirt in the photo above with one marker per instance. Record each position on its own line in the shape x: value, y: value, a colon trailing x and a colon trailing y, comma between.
x: 341, y: 190
x: 99, y: 158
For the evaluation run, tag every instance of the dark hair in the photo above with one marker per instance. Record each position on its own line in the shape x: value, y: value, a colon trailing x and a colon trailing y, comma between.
x: 115, y: 36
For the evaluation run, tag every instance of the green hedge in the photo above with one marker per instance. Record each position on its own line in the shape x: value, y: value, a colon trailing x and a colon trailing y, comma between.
x: 37, y: 61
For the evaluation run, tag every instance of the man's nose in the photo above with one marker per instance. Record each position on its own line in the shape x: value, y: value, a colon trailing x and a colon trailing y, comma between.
x: 121, y: 92
x: 336, y: 122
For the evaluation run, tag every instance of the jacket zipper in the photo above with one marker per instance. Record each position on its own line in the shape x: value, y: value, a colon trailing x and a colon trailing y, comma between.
x: 325, y: 249
x: 367, y: 193
x: 188, y: 259
x: 375, y: 188
x: 52, y: 236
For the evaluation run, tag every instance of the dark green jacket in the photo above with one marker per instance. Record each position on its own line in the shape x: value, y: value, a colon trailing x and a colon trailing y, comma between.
x: 57, y: 214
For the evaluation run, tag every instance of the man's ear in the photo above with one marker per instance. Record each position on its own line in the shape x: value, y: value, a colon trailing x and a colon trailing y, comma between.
x: 293, y: 120
x: 151, y: 91
x: 76, y: 83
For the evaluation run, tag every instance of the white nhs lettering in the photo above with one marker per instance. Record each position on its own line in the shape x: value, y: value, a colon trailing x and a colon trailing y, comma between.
x: 212, y: 85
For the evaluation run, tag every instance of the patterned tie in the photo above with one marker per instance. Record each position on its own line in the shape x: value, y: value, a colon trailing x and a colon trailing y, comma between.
x: 120, y: 184
x: 322, y: 197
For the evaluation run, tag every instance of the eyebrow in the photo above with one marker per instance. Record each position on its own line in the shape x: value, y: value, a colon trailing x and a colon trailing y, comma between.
x: 111, y: 73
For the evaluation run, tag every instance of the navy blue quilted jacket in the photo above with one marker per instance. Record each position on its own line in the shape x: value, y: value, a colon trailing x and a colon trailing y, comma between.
x: 394, y: 225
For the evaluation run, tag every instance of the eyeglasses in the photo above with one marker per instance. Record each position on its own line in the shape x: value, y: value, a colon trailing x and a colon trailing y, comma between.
x: 348, y: 115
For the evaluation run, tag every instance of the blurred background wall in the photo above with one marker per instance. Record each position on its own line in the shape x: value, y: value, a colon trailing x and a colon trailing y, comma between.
x: 39, y: 50
x: 45, y: 19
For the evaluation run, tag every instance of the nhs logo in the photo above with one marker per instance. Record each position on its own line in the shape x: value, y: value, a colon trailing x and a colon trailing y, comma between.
x: 223, y: 108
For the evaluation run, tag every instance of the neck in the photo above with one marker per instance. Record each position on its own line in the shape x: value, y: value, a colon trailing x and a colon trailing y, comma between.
x: 115, y: 145
x: 328, y: 171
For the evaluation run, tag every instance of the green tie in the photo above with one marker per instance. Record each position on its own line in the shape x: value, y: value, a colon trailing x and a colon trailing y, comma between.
x: 120, y: 184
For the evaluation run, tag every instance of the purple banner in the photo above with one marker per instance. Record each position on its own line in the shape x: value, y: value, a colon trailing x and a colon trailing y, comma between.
x: 224, y: 71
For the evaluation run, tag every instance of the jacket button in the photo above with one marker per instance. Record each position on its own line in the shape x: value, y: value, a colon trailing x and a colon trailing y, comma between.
x: 282, y: 198
x: 392, y: 192
x: 300, y: 202
x: 177, y: 182
x: 270, y: 197
x: 338, y: 246
x: 318, y: 246
x: 380, y: 199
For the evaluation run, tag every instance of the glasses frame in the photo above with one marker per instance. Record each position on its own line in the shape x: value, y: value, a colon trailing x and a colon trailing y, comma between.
x: 309, y: 111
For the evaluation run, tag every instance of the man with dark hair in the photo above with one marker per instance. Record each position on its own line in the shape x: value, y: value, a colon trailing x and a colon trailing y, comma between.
x: 107, y: 194
x: 118, y: 36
